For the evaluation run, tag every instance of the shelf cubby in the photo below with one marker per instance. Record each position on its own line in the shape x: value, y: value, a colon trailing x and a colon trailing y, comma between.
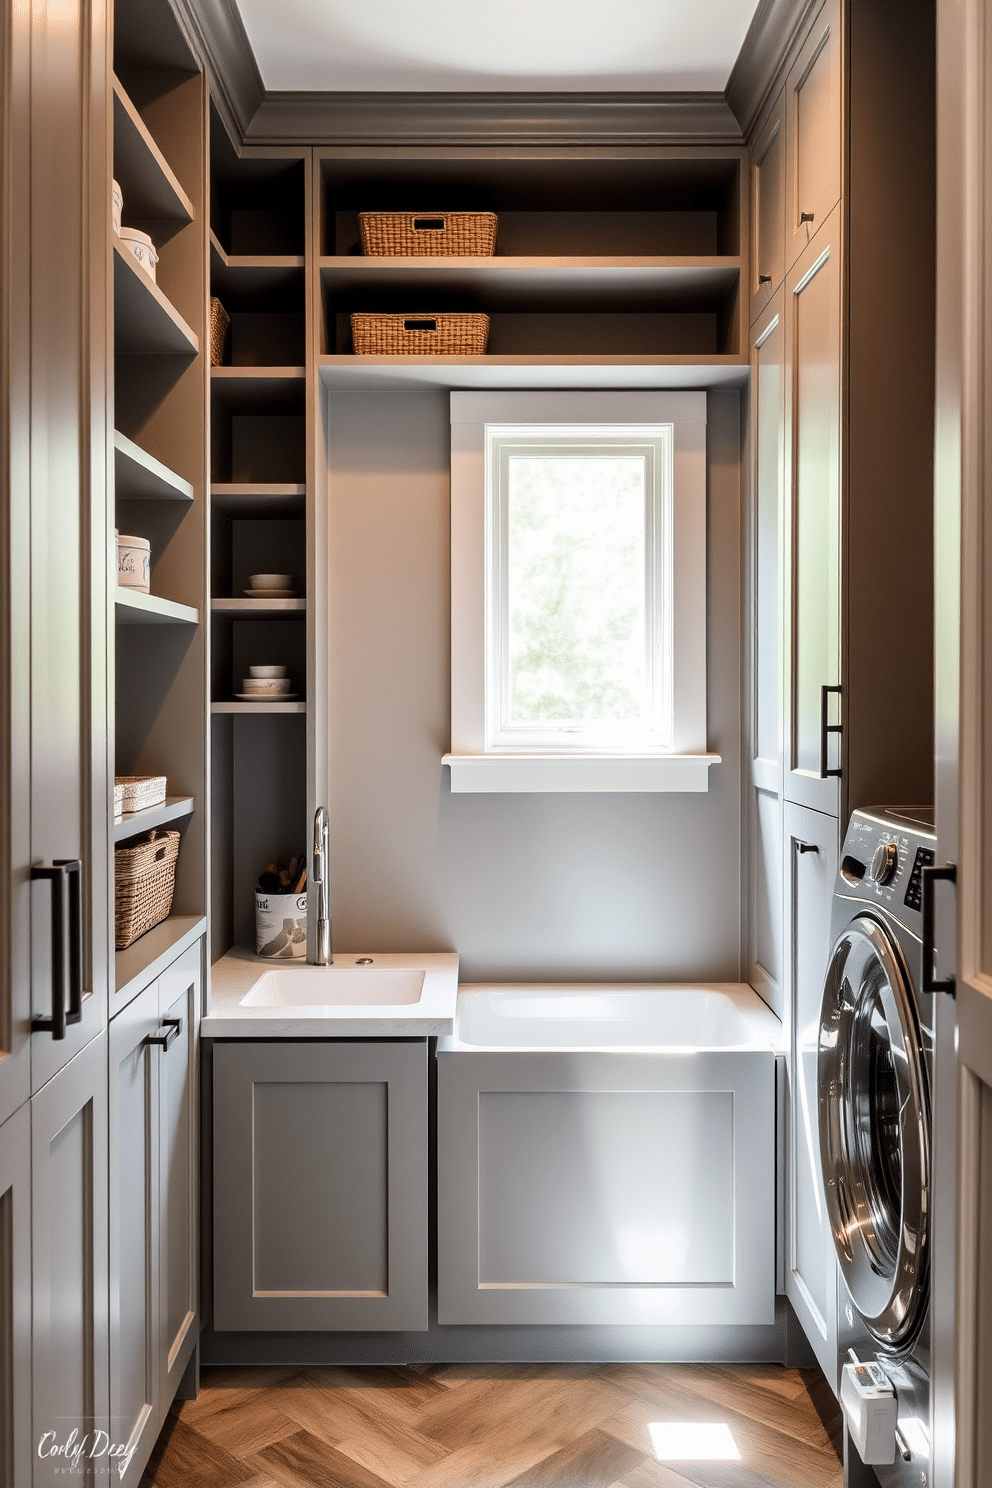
x: 259, y: 501
x: 146, y: 323
x: 150, y: 188
x: 138, y: 476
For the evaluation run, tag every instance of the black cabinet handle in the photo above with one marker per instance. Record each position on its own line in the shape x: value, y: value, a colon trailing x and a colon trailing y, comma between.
x: 173, y: 1028
x: 826, y: 729
x: 764, y: 278
x: 930, y: 876
x: 805, y: 847
x: 66, y: 878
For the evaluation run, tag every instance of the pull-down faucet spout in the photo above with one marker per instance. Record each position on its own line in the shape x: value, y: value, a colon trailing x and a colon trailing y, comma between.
x: 320, y: 877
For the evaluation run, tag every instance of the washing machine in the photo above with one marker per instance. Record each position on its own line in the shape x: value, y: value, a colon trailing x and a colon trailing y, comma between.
x: 874, y: 1074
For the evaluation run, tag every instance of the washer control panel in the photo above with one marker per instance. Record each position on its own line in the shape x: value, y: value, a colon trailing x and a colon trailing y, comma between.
x: 914, y: 891
x: 882, y: 859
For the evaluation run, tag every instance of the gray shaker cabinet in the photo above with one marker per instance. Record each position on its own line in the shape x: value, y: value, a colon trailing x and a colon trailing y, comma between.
x: 153, y: 1309
x: 15, y: 1298
x: 320, y: 1186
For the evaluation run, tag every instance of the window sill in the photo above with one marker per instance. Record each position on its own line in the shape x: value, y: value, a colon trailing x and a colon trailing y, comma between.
x: 480, y: 774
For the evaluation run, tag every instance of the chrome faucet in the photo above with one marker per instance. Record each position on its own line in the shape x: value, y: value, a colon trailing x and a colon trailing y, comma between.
x: 321, y: 877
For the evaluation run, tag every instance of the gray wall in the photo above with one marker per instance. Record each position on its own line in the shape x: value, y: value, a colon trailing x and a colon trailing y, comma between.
x: 549, y: 886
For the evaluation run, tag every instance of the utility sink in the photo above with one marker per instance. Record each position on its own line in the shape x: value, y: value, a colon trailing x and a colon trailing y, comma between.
x: 336, y: 986
x: 363, y: 994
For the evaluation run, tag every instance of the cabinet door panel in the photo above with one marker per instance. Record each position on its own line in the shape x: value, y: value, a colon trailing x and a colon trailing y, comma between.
x: 16, y: 1446
x: 815, y: 129
x: 134, y: 1181
x: 768, y: 385
x: 180, y: 995
x: 813, y: 310
x: 768, y: 206
x: 320, y: 1186
x: 811, y: 1271
x: 69, y: 1256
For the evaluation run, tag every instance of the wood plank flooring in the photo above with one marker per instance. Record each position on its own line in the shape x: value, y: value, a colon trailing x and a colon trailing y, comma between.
x: 496, y: 1426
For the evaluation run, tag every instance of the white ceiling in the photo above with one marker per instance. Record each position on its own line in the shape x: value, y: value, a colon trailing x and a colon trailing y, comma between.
x: 486, y: 45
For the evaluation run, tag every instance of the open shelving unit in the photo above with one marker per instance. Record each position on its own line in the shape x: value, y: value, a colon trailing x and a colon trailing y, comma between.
x: 160, y: 484
x: 258, y: 398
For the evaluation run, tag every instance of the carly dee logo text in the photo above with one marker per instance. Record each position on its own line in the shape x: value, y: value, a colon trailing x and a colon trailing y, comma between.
x: 95, y: 1446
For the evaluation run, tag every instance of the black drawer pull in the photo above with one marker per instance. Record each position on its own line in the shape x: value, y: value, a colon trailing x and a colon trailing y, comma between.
x: 173, y: 1027
x: 429, y: 224
x: 805, y: 847
x: 764, y: 278
x: 420, y: 325
x: 827, y: 728
x: 930, y: 876
x: 66, y: 878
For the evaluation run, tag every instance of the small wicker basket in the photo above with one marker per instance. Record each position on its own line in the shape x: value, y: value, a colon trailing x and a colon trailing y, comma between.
x: 219, y: 322
x: 144, y: 879
x: 136, y: 792
x: 428, y: 234
x: 420, y: 335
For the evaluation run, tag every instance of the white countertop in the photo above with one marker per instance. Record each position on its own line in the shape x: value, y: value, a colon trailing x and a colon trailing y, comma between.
x: 234, y: 976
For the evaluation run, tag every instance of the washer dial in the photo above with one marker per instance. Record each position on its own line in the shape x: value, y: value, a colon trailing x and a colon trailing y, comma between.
x: 884, y: 863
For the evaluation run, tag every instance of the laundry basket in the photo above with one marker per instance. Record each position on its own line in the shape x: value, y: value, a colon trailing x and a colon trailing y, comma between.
x: 144, y: 879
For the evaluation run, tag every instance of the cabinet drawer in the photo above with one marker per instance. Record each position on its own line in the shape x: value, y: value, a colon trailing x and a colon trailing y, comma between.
x: 320, y: 1186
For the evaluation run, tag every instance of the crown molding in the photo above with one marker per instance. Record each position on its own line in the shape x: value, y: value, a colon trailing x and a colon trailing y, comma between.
x: 235, y: 82
x: 770, y: 38
x: 391, y: 119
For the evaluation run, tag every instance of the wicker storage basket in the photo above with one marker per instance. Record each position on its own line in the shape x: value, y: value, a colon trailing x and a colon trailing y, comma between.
x: 428, y: 234
x: 420, y: 335
x: 135, y: 792
x: 219, y: 322
x: 144, y: 878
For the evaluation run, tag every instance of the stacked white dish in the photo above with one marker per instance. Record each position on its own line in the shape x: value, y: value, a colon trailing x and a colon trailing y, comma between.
x: 266, y: 684
x: 270, y: 586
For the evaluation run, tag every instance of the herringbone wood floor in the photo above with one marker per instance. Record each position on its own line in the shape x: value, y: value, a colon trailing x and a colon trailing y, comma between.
x: 486, y: 1426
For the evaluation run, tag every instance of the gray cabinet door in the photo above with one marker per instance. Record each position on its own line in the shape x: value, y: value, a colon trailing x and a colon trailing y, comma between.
x: 16, y: 1446
x: 69, y: 1363
x: 810, y: 1268
x: 134, y: 1221
x: 320, y: 1186
x: 814, y: 112
x: 768, y: 206
x: 180, y: 993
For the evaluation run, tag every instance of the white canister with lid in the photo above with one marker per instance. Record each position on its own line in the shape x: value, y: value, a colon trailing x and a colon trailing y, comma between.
x: 134, y: 561
x: 141, y: 248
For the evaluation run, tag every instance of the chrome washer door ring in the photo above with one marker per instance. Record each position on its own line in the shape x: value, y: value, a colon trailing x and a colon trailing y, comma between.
x: 875, y: 1130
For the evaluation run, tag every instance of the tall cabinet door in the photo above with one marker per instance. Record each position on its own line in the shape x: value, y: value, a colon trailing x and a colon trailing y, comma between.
x: 814, y: 116
x: 768, y: 206
x: 813, y: 702
x: 768, y: 345
x: 16, y: 1447
x: 810, y: 1270
x: 180, y: 994
x: 69, y: 1258
x: 62, y: 601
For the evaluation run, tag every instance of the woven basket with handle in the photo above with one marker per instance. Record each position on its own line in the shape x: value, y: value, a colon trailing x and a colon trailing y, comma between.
x: 144, y: 879
x: 454, y: 334
x: 219, y: 322
x: 428, y: 234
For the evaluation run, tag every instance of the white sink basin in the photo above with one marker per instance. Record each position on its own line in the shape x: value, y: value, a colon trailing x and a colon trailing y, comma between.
x: 336, y: 986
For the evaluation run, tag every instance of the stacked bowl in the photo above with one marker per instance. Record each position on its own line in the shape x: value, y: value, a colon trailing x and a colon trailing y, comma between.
x: 266, y: 684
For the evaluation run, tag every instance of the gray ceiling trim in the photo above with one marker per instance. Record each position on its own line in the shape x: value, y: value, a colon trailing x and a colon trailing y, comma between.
x: 235, y: 81
x: 349, y: 119
x: 770, y: 37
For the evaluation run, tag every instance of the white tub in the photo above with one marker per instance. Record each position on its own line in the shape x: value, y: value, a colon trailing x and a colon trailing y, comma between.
x: 607, y: 1155
x: 607, y: 1016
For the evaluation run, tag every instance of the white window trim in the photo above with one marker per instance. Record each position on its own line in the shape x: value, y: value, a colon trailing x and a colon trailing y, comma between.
x: 475, y: 767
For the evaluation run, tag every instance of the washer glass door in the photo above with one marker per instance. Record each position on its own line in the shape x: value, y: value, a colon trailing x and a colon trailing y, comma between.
x: 875, y: 1130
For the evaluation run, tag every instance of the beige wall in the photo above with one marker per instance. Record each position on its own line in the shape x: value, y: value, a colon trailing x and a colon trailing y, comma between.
x: 636, y: 886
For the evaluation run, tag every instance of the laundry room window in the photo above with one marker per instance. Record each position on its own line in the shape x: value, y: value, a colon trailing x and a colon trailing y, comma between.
x: 578, y: 592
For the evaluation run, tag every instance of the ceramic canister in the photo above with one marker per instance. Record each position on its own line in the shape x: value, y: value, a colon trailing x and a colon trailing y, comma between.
x: 141, y: 248
x: 134, y: 561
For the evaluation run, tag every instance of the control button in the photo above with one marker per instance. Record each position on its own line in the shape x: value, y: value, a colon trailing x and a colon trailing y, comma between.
x: 884, y: 863
x: 914, y: 892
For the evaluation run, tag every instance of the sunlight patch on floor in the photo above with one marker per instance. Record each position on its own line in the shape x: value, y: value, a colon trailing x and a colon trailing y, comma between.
x: 693, y: 1441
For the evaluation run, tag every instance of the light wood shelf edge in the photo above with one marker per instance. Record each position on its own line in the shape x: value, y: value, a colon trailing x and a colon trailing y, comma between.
x: 173, y: 808
x: 161, y: 302
x: 174, y: 488
x: 140, y: 128
x: 151, y: 609
x: 225, y: 707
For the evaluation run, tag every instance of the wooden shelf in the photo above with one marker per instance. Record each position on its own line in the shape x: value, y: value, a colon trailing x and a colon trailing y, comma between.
x: 138, y: 476
x: 522, y: 284
x: 259, y: 389
x: 149, y: 609
x: 259, y: 500
x: 134, y: 822
x: 148, y: 183
x: 152, y: 952
x: 145, y: 322
x: 232, y: 707
x: 388, y: 373
x: 240, y: 275
x: 258, y: 609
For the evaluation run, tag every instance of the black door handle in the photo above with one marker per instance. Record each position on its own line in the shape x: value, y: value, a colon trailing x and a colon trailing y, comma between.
x: 929, y: 876
x: 173, y: 1028
x: 827, y: 728
x: 66, y: 878
x: 805, y: 847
